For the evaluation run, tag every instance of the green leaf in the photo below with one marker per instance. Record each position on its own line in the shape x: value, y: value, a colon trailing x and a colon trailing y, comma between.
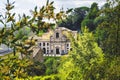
x: 3, y: 29
x: 8, y: 1
x: 12, y: 7
x: 51, y: 2
x: 13, y: 15
x: 47, y: 2
x: 12, y: 27
x: 69, y: 10
x: 2, y: 21
x: 35, y: 9
x: 42, y: 8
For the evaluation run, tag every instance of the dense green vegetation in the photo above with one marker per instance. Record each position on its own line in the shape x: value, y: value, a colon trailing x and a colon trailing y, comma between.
x: 95, y: 53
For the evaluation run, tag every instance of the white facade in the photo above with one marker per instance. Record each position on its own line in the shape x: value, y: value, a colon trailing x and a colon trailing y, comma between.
x: 57, y: 43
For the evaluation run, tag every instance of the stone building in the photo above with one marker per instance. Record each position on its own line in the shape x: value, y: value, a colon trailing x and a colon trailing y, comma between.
x: 37, y: 54
x: 55, y: 42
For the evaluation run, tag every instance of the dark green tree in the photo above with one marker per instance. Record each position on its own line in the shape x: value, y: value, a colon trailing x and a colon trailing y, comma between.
x: 110, y: 27
x: 90, y: 17
x: 73, y: 21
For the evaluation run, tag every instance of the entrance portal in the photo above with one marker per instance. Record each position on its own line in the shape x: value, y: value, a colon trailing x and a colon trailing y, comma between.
x: 57, y: 51
x: 44, y: 50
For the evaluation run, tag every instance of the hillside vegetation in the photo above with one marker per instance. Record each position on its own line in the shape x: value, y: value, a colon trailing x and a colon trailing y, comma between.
x: 95, y: 53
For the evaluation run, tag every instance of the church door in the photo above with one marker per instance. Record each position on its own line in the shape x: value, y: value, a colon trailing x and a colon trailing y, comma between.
x: 57, y: 51
x: 44, y: 50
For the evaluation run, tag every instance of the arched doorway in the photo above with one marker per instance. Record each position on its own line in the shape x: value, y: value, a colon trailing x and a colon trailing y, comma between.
x: 57, y: 51
x: 44, y: 50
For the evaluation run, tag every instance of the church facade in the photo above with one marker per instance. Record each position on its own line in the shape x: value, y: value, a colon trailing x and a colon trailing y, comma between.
x: 55, y: 42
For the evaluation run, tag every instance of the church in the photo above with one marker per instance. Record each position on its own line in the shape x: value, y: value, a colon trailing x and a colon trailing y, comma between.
x: 52, y: 43
x: 55, y: 42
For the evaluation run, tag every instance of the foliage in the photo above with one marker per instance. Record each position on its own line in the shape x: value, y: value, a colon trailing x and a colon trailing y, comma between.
x: 50, y: 77
x: 98, y: 20
x: 84, y: 56
x: 85, y: 61
x: 51, y: 65
x: 89, y: 23
x: 82, y: 16
x: 93, y: 11
x: 11, y: 34
x: 13, y: 67
x: 107, y: 70
x: 73, y: 21
x: 68, y: 70
x: 90, y: 17
x: 35, y: 22
x: 36, y: 69
x: 40, y: 33
x: 110, y: 28
x: 112, y: 71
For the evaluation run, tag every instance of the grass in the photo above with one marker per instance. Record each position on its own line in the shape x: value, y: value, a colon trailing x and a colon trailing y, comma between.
x: 46, y: 57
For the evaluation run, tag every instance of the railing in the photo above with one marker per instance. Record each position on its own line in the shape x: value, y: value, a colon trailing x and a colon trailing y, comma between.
x: 51, y: 54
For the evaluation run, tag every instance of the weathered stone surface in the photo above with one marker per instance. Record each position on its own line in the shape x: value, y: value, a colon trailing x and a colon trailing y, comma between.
x: 55, y: 42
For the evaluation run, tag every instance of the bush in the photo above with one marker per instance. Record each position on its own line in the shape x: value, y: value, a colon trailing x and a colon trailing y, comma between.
x: 51, y: 65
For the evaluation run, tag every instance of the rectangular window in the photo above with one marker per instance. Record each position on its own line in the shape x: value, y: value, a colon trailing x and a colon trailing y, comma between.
x: 43, y: 44
x: 47, y: 44
x: 57, y: 35
x: 51, y: 51
x: 47, y: 51
x: 67, y: 45
x: 40, y: 44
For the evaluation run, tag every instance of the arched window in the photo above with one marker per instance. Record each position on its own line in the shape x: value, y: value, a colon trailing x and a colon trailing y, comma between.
x: 57, y: 35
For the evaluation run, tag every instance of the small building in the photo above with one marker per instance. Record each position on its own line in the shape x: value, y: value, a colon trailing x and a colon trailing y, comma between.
x: 52, y: 43
x: 36, y: 55
x: 55, y: 42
